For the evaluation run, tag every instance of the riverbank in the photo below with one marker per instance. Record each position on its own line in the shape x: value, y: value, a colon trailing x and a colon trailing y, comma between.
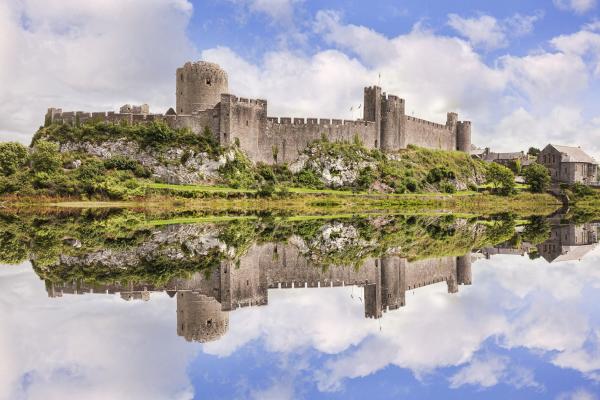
x: 229, y: 201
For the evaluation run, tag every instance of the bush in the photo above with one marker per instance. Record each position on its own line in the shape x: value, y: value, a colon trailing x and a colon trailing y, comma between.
x: 45, y: 157
x: 411, y: 184
x: 239, y: 172
x: 537, y: 177
x: 266, y: 191
x: 365, y: 179
x: 581, y: 190
x: 308, y: 178
x: 501, y: 178
x: 121, y: 163
x: 447, y: 187
x: 438, y: 174
x: 12, y: 157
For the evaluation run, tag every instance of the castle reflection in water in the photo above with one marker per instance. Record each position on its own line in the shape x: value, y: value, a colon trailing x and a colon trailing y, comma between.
x: 204, y: 301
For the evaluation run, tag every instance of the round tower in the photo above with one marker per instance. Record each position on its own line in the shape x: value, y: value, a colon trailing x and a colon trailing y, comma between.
x: 463, y: 136
x: 199, y: 317
x: 199, y: 86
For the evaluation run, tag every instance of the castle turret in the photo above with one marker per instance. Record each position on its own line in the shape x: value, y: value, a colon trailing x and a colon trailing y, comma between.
x: 452, y: 121
x: 463, y: 270
x: 392, y: 116
x: 199, y: 86
x: 463, y: 136
x: 393, y: 280
x: 199, y: 317
x: 372, y: 295
x: 372, y: 110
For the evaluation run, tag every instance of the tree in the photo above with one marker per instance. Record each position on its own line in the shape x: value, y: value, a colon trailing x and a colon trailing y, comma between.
x: 533, y: 151
x: 501, y: 178
x: 537, y: 230
x: 537, y: 177
x: 12, y: 157
x: 45, y: 157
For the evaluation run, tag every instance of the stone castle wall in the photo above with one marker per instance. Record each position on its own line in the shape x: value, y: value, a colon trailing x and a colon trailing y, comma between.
x: 428, y: 134
x: 202, y: 102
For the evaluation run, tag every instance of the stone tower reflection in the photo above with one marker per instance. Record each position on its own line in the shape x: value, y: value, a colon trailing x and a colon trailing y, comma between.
x: 199, y: 317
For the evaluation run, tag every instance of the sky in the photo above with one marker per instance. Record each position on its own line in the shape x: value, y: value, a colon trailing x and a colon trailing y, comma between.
x: 494, y: 339
x: 525, y: 73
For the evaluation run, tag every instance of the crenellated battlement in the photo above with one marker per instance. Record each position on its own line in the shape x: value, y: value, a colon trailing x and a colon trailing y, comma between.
x: 317, y: 121
x: 203, y: 101
x: 425, y: 122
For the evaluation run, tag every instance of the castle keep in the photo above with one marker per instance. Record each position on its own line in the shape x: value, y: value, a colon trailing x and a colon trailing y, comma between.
x: 203, y: 100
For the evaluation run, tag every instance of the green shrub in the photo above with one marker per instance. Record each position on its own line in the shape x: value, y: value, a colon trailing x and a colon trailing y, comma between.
x: 122, y: 163
x: 501, y: 178
x: 239, y: 172
x: 266, y: 191
x: 45, y: 157
x: 537, y: 177
x: 581, y: 190
x: 447, y: 187
x: 308, y: 178
x: 411, y: 185
x: 366, y: 178
x: 13, y: 156
x: 437, y: 174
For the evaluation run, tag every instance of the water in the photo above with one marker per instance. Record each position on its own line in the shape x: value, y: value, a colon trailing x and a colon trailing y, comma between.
x: 116, y: 305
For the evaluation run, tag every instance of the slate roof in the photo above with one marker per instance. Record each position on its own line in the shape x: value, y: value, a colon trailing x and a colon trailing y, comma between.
x: 573, y: 154
x: 503, y: 156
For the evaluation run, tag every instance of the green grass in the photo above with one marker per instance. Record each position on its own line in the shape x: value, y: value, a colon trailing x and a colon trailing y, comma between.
x: 199, y: 188
x: 296, y: 190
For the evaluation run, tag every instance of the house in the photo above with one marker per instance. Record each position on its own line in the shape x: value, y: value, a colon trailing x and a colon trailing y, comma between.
x: 506, y: 159
x: 569, y: 164
x: 569, y: 242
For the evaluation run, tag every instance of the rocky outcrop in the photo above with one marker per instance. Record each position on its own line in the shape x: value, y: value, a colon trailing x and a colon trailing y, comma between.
x: 174, y: 242
x: 174, y: 165
x: 334, y: 170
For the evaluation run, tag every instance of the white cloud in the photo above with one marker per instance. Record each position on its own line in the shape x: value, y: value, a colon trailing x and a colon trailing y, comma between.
x: 488, y: 33
x: 511, y: 100
x: 576, y: 6
x: 281, y: 10
x: 508, y: 303
x: 578, y: 394
x: 585, y: 43
x: 515, y: 103
x: 77, y: 55
x: 484, y: 372
x: 89, y: 346
x: 484, y: 31
x: 521, y: 25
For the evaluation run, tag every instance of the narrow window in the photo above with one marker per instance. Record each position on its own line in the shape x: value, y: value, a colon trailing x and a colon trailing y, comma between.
x: 181, y: 77
x: 208, y: 82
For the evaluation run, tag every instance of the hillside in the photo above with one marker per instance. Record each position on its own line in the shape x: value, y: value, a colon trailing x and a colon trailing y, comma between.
x: 181, y: 157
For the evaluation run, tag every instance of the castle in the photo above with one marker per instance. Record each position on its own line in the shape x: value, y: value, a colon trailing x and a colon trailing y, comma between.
x: 205, y: 300
x: 203, y: 101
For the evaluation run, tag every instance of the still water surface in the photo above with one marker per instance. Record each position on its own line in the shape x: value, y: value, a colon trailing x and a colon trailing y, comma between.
x: 111, y: 307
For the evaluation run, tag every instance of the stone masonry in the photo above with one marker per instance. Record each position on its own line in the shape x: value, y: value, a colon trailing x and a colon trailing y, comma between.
x: 203, y: 101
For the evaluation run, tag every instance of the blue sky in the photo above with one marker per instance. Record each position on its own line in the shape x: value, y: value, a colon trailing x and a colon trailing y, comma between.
x: 525, y: 73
